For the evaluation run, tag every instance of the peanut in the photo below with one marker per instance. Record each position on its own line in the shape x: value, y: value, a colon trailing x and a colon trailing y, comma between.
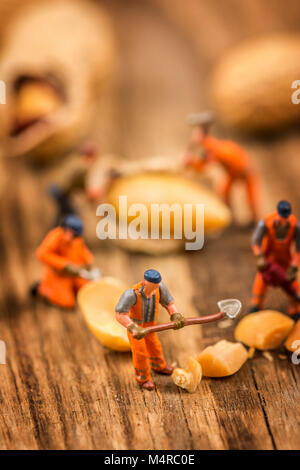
x: 251, y: 86
x: 263, y: 330
x: 222, y: 359
x: 190, y: 377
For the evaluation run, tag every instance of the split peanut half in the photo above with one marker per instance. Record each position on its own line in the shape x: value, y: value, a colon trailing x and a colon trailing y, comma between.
x: 222, y: 359
x: 190, y: 377
x: 97, y: 301
x: 292, y: 342
x: 263, y: 330
x: 146, y: 191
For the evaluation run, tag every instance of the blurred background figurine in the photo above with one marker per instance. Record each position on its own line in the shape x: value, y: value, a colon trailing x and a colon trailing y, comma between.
x: 136, y: 310
x: 205, y: 149
x: 84, y: 172
x: 67, y: 262
x: 74, y: 180
x: 273, y: 239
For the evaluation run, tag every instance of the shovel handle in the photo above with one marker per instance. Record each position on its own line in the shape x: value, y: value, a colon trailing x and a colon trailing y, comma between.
x: 188, y: 321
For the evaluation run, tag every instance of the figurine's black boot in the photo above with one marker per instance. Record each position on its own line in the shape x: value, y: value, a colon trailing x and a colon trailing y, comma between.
x: 254, y: 308
x: 34, y: 289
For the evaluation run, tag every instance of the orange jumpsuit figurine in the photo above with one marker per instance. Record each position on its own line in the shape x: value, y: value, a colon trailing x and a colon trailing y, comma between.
x: 205, y: 149
x: 64, y: 255
x: 273, y: 239
x: 136, y: 310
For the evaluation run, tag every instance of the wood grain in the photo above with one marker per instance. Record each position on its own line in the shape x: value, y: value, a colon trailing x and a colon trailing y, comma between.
x: 60, y: 389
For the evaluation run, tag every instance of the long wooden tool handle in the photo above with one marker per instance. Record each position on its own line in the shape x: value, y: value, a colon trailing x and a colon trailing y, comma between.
x: 188, y: 321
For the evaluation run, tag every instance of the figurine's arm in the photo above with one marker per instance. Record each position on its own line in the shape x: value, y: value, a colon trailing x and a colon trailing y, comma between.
x: 296, y: 257
x: 293, y: 268
x: 98, y: 192
x: 194, y: 161
x: 76, y: 180
x: 127, y: 300
x: 209, y: 147
x: 257, y: 240
x: 167, y: 301
x: 87, y: 257
x: 47, y: 251
x: 212, y: 147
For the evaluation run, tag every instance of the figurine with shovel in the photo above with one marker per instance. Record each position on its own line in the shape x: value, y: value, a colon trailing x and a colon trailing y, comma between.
x: 137, y: 310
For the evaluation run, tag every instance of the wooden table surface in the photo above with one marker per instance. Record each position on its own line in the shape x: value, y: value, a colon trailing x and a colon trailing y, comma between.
x: 60, y: 389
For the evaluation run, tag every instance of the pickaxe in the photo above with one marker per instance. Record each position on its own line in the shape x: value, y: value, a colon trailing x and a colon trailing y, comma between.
x: 228, y: 307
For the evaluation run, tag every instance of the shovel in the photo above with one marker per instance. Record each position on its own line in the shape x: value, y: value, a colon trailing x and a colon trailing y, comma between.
x: 228, y: 308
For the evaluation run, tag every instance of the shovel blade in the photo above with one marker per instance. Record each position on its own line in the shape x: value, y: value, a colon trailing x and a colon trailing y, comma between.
x: 231, y: 307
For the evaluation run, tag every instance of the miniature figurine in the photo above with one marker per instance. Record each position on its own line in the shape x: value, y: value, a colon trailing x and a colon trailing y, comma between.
x: 74, y: 180
x: 82, y: 174
x: 205, y: 149
x: 136, y: 310
x: 272, y: 243
x: 67, y: 263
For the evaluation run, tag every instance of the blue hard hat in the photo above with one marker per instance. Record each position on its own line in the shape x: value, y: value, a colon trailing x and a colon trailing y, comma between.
x: 152, y: 275
x: 73, y: 222
x: 284, y: 209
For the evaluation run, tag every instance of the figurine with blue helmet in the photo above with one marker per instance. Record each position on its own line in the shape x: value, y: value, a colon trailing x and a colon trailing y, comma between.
x: 136, y: 310
x: 64, y: 255
x: 276, y: 246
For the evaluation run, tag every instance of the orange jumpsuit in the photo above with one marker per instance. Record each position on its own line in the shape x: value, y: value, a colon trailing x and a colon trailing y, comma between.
x: 55, y: 253
x: 236, y: 163
x: 146, y: 352
x: 278, y: 251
